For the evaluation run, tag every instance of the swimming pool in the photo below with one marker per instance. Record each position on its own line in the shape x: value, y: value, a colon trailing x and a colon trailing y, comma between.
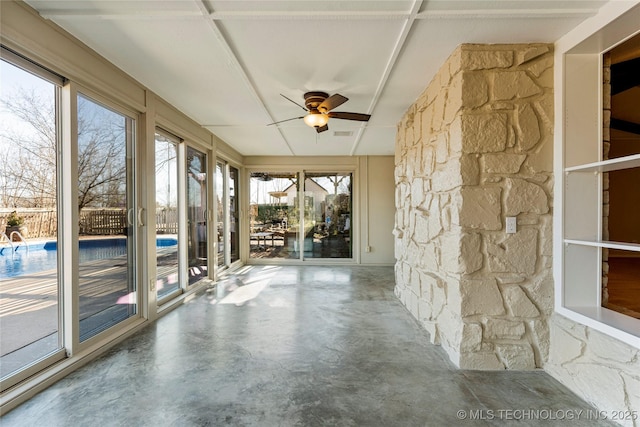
x: 42, y: 256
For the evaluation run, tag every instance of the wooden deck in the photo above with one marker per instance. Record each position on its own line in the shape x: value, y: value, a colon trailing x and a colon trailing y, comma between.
x: 29, y: 306
x: 29, y: 303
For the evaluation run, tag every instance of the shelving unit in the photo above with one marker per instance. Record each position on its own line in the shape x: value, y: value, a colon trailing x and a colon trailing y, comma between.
x: 633, y: 247
x: 608, y: 165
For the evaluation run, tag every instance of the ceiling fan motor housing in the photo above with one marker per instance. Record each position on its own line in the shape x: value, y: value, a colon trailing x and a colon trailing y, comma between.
x: 313, y: 99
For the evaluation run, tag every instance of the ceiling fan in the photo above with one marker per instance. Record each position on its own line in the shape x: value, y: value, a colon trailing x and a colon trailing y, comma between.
x: 319, y: 106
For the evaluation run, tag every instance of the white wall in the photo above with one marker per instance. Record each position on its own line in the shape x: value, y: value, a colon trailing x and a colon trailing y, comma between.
x: 378, y: 210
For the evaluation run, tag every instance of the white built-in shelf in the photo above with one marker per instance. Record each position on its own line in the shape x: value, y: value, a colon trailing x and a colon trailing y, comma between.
x: 620, y: 326
x: 608, y: 165
x: 634, y: 247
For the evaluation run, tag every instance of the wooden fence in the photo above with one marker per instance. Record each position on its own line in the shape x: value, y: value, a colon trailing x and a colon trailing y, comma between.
x: 93, y: 222
x: 167, y: 221
x: 38, y: 222
x: 103, y: 222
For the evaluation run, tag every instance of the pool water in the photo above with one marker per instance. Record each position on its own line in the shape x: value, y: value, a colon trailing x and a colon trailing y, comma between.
x: 43, y: 256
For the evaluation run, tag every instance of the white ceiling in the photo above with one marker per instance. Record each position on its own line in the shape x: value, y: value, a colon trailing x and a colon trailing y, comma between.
x: 225, y: 63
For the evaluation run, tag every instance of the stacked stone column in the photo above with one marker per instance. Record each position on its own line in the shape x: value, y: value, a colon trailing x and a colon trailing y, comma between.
x: 475, y: 148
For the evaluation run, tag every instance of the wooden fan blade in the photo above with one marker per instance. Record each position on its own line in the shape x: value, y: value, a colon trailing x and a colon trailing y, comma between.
x: 322, y: 128
x: 287, y: 120
x: 289, y: 99
x: 350, y: 116
x: 332, y: 102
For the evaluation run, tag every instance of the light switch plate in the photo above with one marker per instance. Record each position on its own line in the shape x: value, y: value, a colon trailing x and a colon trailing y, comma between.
x: 512, y: 226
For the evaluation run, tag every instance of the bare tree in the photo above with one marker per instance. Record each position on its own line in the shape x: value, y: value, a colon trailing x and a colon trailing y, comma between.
x: 102, y: 156
x: 28, y: 157
x: 165, y: 158
x: 28, y: 153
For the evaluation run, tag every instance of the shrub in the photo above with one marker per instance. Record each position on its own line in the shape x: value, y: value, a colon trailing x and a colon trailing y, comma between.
x: 14, y: 219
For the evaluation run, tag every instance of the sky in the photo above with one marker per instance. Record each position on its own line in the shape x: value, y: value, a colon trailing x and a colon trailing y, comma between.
x: 11, y: 79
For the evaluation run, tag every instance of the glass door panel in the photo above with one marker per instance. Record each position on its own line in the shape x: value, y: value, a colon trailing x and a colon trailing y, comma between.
x: 274, y: 215
x: 29, y: 286
x: 220, y: 204
x: 167, y: 260
x: 197, y: 214
x: 107, y: 215
x: 327, y: 215
x: 227, y: 184
x: 233, y: 214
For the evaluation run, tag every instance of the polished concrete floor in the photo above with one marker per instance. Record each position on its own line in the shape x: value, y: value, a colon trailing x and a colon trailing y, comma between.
x: 294, y: 346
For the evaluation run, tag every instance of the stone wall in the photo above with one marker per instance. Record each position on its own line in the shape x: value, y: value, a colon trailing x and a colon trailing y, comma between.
x: 475, y: 148
x: 600, y: 369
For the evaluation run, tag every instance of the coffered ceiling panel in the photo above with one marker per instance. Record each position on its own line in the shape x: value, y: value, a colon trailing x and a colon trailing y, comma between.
x: 226, y: 63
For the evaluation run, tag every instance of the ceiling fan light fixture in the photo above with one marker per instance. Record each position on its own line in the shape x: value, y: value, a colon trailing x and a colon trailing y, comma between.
x: 319, y: 106
x: 316, y: 119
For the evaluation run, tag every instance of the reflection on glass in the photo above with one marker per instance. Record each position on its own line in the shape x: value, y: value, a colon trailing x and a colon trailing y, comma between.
x: 621, y: 269
x: 233, y: 214
x: 220, y: 186
x: 621, y: 281
x: 620, y: 214
x: 274, y: 215
x: 621, y: 192
x: 327, y: 215
x: 166, y: 216
x: 28, y: 279
x: 196, y: 214
x: 107, y: 214
x: 624, y: 127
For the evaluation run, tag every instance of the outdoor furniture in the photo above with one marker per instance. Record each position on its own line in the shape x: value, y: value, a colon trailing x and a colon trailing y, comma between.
x: 262, y: 235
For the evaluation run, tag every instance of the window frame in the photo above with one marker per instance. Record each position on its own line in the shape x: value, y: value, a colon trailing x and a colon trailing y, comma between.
x: 13, y: 58
x: 579, y: 167
x: 182, y: 255
x: 70, y: 189
x: 225, y: 201
x: 302, y: 170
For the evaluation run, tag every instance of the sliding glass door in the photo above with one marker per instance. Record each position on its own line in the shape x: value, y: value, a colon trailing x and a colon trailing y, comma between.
x: 197, y: 214
x: 69, y: 216
x: 30, y: 297
x: 289, y: 222
x: 107, y: 217
x: 167, y: 215
x: 72, y: 230
x: 234, y: 235
x: 327, y: 215
x: 222, y: 220
x: 274, y: 222
x: 227, y: 191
